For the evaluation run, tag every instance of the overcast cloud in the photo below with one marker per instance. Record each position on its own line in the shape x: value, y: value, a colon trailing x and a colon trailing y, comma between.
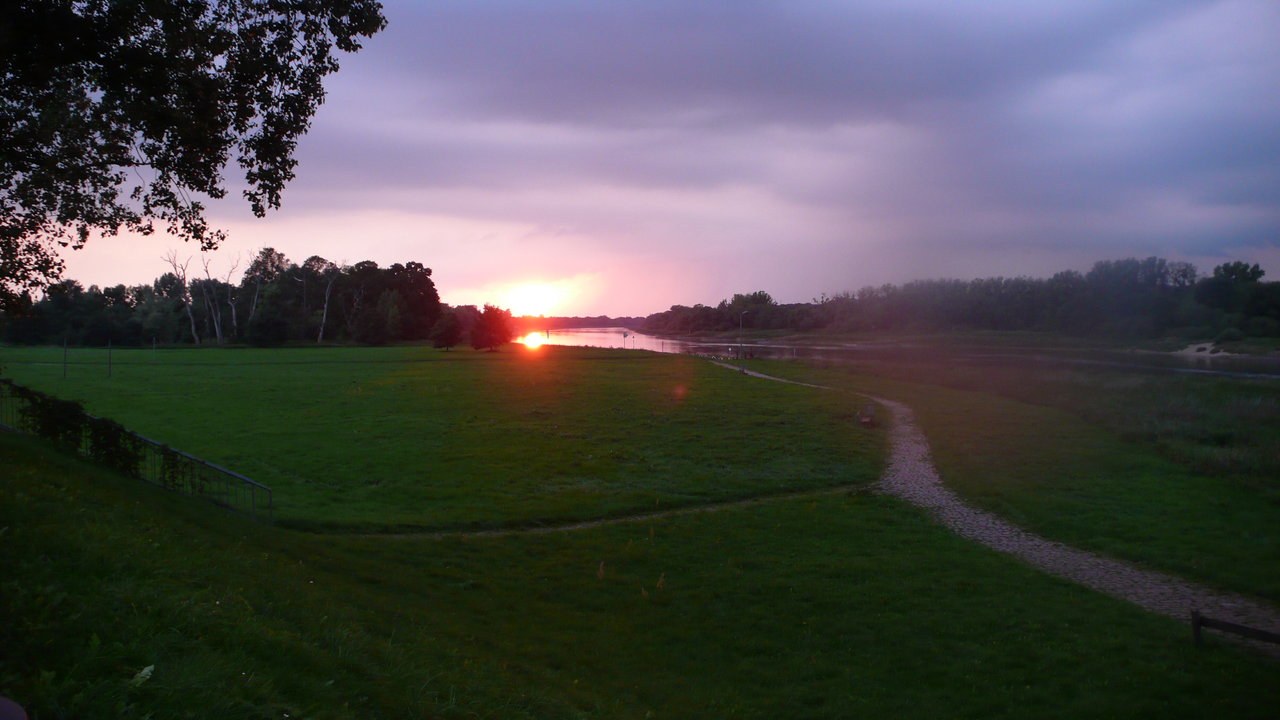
x: 660, y: 152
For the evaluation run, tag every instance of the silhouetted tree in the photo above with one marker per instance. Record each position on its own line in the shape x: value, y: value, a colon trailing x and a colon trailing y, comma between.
x: 1239, y: 272
x: 447, y: 331
x: 265, y: 268
x: 412, y: 282
x: 492, y: 329
x: 91, y: 91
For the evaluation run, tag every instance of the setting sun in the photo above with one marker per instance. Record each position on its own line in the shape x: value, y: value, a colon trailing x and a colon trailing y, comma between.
x: 533, y: 298
x: 533, y: 340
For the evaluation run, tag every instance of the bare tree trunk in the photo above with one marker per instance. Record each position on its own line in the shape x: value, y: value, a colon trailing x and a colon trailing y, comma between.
x: 211, y: 305
x: 324, y: 316
x: 215, y: 311
x: 231, y: 303
x: 231, y: 298
x: 253, y: 306
x: 191, y: 316
x: 180, y: 271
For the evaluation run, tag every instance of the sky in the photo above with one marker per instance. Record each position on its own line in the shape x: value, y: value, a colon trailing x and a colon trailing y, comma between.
x: 628, y: 155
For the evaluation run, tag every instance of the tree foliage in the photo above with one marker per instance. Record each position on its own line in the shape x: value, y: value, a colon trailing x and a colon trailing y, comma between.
x: 276, y: 301
x: 1131, y: 297
x: 492, y: 329
x: 118, y: 115
x: 447, y: 331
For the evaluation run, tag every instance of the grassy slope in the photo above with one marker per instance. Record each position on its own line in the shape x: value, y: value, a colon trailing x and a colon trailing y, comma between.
x: 844, y: 606
x: 388, y: 438
x: 1074, y: 481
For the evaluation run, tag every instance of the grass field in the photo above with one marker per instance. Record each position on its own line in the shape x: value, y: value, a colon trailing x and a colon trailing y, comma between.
x: 404, y: 438
x: 1104, y: 460
x: 835, y: 607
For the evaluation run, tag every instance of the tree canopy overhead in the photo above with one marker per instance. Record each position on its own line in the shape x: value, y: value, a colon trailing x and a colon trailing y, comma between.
x: 116, y: 114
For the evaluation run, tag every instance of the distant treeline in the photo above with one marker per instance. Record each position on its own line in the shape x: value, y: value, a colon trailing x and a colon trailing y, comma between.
x: 536, y: 323
x: 1117, y: 298
x: 276, y: 301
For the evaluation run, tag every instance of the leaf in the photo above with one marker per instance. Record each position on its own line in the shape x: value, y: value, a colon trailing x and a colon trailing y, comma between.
x: 143, y: 675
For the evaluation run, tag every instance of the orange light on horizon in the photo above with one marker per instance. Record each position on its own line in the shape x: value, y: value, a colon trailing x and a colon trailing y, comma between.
x: 534, y: 298
x: 533, y: 340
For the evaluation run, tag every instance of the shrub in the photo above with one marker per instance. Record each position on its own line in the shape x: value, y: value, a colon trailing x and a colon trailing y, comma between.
x: 1229, y: 335
x: 61, y: 421
x: 1259, y: 326
x: 113, y: 446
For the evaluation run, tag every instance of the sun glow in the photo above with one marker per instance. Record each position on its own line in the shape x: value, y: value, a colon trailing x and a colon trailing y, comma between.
x: 534, y: 298
x: 533, y: 340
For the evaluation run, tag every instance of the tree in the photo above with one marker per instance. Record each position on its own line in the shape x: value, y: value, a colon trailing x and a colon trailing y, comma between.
x: 422, y: 302
x: 1239, y: 272
x: 265, y: 267
x: 447, y: 331
x: 383, y: 321
x: 327, y: 273
x: 184, y: 293
x: 492, y: 329
x: 1230, y: 285
x: 116, y: 115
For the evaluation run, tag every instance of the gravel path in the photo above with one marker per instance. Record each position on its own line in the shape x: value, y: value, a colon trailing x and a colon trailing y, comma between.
x: 912, y: 476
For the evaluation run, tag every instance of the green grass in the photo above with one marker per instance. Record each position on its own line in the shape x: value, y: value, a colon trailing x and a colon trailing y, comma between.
x: 1126, y: 484
x: 835, y: 607
x: 400, y: 438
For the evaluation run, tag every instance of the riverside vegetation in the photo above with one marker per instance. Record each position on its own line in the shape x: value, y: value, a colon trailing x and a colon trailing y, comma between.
x: 124, y: 600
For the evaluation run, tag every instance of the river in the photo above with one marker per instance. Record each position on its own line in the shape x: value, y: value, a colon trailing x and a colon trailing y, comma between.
x: 1200, y: 363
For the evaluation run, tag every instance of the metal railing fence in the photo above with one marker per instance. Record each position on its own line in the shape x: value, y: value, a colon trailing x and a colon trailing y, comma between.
x: 30, y: 412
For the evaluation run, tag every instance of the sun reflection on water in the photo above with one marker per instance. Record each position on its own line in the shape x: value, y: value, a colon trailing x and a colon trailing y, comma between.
x: 533, y: 340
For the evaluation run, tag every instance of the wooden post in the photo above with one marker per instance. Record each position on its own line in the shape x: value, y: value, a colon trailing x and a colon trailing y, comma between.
x: 108, y: 357
x: 1199, y: 621
x: 64, y: 356
x: 1195, y: 627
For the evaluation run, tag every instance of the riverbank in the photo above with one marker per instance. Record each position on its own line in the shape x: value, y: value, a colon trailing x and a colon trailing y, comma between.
x: 986, y: 339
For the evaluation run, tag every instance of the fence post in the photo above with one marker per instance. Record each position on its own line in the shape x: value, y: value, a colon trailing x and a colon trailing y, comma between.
x: 1196, y: 623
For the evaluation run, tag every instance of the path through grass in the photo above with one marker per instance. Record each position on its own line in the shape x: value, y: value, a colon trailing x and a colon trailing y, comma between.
x: 1077, y: 482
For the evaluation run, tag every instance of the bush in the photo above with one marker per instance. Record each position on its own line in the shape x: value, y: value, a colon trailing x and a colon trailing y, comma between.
x: 1229, y: 335
x: 113, y: 446
x: 66, y: 423
x: 61, y: 421
x: 1260, y: 326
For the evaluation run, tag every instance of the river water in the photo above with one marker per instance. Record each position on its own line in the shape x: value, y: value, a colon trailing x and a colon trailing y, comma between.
x: 1201, y: 363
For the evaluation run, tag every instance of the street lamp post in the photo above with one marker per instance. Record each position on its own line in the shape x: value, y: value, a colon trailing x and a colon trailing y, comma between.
x: 741, y: 355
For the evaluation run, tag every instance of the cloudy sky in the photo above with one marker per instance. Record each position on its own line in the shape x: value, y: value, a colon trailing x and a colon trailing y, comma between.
x: 636, y: 154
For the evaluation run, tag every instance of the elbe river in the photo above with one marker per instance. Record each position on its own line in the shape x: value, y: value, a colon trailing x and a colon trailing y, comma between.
x: 1199, y: 363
